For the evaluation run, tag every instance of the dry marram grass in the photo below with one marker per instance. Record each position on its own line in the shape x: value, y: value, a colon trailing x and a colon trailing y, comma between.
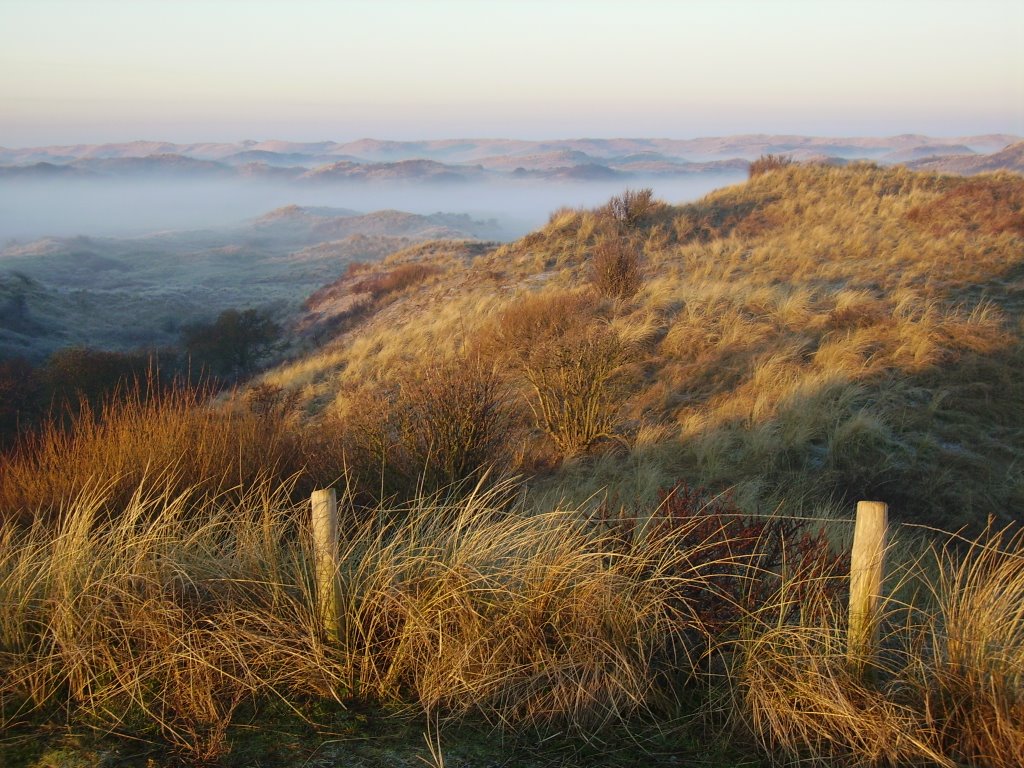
x: 813, y: 336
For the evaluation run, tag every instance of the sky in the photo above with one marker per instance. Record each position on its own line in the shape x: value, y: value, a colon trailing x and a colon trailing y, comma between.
x: 86, y: 71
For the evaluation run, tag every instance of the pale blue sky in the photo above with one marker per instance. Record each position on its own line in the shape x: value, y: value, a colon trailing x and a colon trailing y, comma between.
x: 114, y: 70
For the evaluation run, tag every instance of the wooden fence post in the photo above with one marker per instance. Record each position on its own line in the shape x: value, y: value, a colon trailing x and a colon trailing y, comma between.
x: 867, y: 570
x: 325, y: 551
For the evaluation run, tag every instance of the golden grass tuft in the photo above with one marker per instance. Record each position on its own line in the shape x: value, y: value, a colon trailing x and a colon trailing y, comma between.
x: 944, y: 688
x: 526, y: 620
x: 967, y: 668
x: 163, y: 620
x: 801, y: 700
x: 173, y: 442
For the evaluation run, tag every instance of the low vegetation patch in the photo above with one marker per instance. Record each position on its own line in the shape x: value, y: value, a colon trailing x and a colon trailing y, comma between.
x: 617, y: 268
x: 173, y: 622
x: 396, y: 279
x: 766, y: 163
x: 171, y: 442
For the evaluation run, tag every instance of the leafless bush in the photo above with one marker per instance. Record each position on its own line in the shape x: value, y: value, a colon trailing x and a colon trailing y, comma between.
x: 631, y: 207
x: 430, y: 427
x: 615, y: 267
x: 768, y: 162
x: 576, y: 388
x: 572, y: 368
x: 454, y: 418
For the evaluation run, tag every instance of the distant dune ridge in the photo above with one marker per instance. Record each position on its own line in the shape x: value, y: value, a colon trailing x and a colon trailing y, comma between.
x: 476, y: 159
x: 1009, y: 159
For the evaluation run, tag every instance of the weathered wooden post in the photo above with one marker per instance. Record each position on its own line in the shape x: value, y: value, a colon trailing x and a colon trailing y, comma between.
x: 325, y: 551
x: 867, y: 570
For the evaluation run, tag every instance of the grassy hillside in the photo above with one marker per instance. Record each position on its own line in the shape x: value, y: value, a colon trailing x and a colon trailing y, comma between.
x: 811, y: 335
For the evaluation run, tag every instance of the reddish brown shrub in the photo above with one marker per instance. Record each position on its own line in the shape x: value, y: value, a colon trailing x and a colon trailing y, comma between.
x: 988, y: 205
x: 397, y: 279
x: 745, y: 561
x: 766, y: 163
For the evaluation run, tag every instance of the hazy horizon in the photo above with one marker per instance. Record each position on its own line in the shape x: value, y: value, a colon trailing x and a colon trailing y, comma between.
x: 99, y: 71
x: 105, y: 71
x: 316, y: 138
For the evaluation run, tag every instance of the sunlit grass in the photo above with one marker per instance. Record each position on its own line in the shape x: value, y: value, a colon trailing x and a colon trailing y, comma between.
x: 815, y: 336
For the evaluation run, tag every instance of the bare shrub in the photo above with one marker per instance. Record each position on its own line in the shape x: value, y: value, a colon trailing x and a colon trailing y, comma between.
x: 441, y: 425
x: 631, y: 207
x: 455, y: 419
x: 766, y: 163
x: 577, y: 386
x: 573, y: 371
x: 615, y: 267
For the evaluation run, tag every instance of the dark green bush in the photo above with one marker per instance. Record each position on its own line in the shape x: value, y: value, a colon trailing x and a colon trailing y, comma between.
x: 234, y: 343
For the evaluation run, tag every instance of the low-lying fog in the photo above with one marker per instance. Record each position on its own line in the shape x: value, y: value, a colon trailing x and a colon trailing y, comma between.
x: 30, y: 209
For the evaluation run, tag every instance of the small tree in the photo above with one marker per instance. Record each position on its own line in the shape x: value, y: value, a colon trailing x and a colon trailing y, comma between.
x: 234, y: 342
